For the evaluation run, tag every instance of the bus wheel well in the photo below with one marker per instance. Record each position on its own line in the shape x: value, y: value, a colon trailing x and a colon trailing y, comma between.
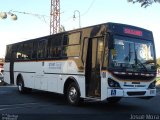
x: 68, y: 82
x: 19, y: 78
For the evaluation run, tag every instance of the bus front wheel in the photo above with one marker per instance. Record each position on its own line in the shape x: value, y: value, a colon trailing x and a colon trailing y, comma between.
x: 73, y: 94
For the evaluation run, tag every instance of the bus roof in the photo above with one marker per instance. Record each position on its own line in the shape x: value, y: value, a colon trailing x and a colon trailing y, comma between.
x: 114, y: 28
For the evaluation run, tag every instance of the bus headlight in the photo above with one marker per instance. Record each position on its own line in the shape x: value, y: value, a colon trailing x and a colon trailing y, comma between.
x: 113, y: 83
x: 152, y: 85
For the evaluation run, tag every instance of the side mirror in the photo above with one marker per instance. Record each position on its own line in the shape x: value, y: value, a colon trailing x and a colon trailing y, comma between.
x: 110, y: 40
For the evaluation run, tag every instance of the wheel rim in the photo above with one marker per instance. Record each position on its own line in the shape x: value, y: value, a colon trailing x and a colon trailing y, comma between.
x: 20, y: 86
x: 72, y: 94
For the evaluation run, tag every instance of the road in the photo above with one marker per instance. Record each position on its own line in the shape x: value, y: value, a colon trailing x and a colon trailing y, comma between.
x: 48, y: 106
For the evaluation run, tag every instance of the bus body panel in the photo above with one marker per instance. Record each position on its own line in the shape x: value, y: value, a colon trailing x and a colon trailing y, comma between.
x: 6, y: 72
x: 50, y: 77
x: 126, y: 87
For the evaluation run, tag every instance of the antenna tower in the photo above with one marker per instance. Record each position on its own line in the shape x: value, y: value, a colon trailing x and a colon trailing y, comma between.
x: 55, y: 17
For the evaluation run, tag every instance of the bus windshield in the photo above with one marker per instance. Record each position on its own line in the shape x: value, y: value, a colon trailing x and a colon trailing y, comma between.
x: 132, y: 55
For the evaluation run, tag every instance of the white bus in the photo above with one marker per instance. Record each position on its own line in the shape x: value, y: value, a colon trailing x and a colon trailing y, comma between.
x: 102, y: 62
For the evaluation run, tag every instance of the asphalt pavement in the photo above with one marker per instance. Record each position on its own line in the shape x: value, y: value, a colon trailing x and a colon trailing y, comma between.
x: 40, y: 105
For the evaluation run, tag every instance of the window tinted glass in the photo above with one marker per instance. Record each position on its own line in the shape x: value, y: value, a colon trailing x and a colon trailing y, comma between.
x: 65, y: 40
x: 74, y: 38
x: 42, y: 48
x: 54, y: 46
x: 24, y: 51
x: 71, y: 45
x: 71, y: 51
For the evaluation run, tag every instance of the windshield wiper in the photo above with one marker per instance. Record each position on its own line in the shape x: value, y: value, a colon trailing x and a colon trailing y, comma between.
x: 138, y: 62
x: 142, y: 65
x: 149, y: 61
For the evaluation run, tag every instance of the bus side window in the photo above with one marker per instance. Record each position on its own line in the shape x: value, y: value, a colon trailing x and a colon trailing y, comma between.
x: 42, y: 48
x: 71, y: 45
x: 49, y: 48
x: 27, y: 50
x: 8, y: 52
x: 34, y: 54
x: 64, y: 51
x: 65, y: 40
x: 34, y: 50
x: 55, y: 48
x: 19, y: 52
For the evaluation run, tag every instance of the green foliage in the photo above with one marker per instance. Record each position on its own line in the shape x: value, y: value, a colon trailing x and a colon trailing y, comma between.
x: 144, y: 3
x: 158, y: 62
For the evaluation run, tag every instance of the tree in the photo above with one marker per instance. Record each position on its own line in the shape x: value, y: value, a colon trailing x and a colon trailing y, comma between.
x: 144, y: 3
x: 158, y: 62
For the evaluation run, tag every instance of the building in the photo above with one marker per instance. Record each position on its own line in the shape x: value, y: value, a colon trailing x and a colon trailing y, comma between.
x: 1, y: 64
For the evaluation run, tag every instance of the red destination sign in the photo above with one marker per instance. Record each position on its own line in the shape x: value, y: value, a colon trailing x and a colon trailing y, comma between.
x: 133, y: 32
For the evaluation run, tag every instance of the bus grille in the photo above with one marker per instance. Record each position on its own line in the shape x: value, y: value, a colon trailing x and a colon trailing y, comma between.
x: 136, y: 93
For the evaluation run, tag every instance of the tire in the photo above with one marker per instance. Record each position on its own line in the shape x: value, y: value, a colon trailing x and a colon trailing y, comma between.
x: 73, y: 94
x: 21, y: 87
x: 113, y: 100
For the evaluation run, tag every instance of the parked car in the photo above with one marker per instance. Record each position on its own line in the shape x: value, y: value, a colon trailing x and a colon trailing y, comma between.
x: 1, y: 79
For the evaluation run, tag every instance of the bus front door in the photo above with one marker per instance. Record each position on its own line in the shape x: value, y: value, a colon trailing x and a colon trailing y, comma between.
x: 93, y: 67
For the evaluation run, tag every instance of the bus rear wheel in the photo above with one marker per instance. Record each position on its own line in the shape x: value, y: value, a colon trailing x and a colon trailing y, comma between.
x: 73, y: 94
x: 21, y: 87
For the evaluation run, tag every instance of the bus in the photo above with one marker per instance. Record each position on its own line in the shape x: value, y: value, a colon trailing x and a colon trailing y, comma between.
x: 104, y: 62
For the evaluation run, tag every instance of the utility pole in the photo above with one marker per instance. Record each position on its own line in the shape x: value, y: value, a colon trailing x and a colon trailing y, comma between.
x: 55, y: 17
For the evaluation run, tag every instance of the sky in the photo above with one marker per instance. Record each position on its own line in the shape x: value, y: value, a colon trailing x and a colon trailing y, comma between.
x: 92, y: 12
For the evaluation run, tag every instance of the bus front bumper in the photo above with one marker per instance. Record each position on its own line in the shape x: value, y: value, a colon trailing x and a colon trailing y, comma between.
x: 131, y: 92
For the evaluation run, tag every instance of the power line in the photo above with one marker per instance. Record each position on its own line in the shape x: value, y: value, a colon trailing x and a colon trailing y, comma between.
x: 39, y: 16
x: 91, y: 5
